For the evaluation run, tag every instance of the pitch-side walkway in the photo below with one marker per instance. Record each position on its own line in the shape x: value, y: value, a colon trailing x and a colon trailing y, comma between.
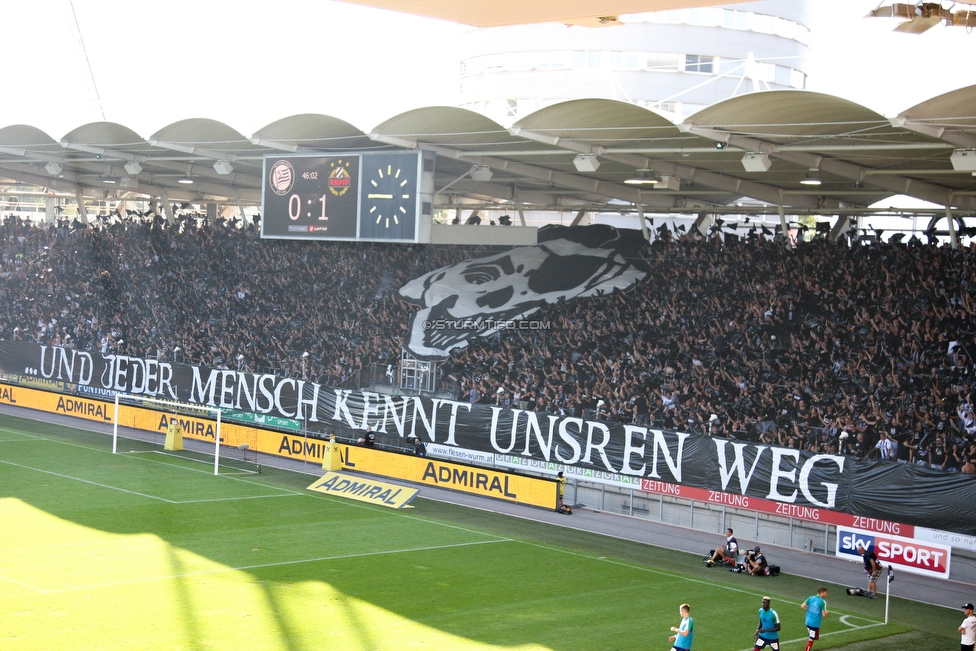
x: 826, y: 568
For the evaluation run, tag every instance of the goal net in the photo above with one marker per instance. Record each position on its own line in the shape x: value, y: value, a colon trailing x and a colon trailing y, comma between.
x: 191, y: 432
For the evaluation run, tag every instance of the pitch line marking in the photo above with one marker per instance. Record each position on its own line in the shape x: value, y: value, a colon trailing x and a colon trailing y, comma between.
x: 234, y: 499
x: 139, y: 457
x: 152, y: 497
x: 258, y: 566
x: 88, y: 481
x: 142, y: 458
x: 22, y: 584
x: 852, y: 628
x: 688, y: 579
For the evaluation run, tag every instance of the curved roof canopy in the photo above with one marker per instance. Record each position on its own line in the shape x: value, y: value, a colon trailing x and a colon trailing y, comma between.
x: 491, y: 13
x: 580, y: 154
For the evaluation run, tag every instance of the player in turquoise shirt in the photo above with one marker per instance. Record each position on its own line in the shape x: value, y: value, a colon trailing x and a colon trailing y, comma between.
x: 684, y: 633
x: 816, y: 607
x: 767, y: 635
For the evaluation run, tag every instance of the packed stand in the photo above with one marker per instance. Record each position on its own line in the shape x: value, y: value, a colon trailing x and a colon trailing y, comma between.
x: 861, y: 350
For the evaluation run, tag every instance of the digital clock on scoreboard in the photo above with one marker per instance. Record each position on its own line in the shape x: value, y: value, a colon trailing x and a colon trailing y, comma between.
x: 369, y: 196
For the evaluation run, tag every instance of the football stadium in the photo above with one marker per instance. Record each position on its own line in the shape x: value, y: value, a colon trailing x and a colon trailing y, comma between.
x: 451, y: 384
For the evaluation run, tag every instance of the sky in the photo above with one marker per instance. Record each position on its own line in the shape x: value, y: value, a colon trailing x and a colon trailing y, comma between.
x: 247, y: 64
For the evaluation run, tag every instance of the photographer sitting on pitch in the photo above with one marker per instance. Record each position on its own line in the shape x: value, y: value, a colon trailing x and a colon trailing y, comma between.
x: 726, y: 553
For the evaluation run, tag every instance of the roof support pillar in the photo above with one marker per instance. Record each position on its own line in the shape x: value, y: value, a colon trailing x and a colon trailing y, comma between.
x: 953, y: 236
x: 640, y: 215
x: 783, y: 225
x: 50, y: 210
x: 842, y: 223
x: 518, y: 207
x: 82, y: 210
x: 579, y: 217
x: 167, y: 207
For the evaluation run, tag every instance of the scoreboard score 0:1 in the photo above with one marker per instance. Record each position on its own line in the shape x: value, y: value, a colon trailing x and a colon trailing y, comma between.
x: 359, y: 196
x: 311, y: 197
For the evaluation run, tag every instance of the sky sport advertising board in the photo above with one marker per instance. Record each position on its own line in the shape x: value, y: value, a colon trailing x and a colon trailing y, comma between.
x: 908, y: 554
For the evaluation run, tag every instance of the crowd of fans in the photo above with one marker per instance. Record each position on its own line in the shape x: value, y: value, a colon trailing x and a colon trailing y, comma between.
x: 859, y: 350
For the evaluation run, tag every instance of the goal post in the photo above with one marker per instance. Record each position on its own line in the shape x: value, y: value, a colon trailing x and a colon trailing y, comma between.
x: 181, y: 430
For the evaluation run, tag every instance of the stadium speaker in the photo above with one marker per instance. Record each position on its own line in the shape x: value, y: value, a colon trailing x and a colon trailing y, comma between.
x: 586, y: 163
x: 223, y: 167
x: 481, y: 173
x: 964, y: 160
x: 756, y: 162
x: 133, y: 168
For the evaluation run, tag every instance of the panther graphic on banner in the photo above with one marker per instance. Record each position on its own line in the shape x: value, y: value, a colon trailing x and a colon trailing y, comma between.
x: 478, y: 297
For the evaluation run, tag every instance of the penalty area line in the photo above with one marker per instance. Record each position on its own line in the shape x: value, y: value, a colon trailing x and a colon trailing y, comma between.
x: 88, y: 481
x: 22, y: 584
x: 124, y: 455
x: 337, y: 557
x: 152, y: 497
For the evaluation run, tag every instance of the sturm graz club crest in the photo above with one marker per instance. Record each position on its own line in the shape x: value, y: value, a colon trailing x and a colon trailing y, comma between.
x: 282, y: 177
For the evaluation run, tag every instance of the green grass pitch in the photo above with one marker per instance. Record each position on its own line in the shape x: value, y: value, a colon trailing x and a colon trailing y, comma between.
x: 128, y: 552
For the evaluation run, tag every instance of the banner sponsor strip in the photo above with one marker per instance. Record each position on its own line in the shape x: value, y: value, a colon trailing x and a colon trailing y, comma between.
x: 808, y: 513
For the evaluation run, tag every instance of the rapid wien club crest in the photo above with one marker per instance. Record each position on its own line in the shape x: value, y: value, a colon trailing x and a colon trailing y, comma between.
x: 339, y: 178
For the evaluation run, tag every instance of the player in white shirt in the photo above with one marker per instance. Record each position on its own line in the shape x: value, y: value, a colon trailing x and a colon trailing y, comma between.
x: 968, y: 629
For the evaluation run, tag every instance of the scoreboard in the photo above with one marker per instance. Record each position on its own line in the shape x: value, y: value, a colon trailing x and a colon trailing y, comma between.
x: 355, y: 196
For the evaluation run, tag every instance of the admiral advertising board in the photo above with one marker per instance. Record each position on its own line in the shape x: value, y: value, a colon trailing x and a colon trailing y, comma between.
x: 486, y: 482
x: 908, y: 554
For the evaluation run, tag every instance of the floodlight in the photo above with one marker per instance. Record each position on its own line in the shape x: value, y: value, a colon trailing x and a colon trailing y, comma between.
x: 964, y: 160
x: 756, y: 162
x: 643, y: 177
x: 53, y: 168
x: 223, y: 167
x: 133, y: 168
x: 481, y: 173
x: 186, y: 180
x: 812, y: 178
x: 586, y: 163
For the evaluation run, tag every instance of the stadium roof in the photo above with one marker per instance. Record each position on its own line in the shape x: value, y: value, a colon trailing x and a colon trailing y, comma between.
x: 861, y: 156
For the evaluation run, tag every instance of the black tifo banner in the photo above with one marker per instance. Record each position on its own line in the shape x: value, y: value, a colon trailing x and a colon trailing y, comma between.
x: 883, y: 490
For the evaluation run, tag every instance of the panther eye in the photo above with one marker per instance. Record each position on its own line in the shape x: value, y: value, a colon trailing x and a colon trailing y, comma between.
x: 481, y: 274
